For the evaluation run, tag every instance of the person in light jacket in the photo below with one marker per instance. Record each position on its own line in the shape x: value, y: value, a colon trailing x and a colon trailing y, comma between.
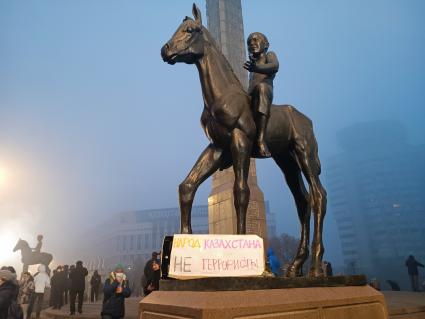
x: 41, y: 282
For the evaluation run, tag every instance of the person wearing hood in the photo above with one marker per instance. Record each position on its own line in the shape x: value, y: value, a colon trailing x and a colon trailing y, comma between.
x: 9, y: 290
x: 273, y: 262
x: 78, y: 285
x: 115, y: 291
x: 41, y: 282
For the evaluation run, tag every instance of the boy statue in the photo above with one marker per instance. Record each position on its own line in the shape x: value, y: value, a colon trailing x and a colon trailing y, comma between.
x: 263, y: 66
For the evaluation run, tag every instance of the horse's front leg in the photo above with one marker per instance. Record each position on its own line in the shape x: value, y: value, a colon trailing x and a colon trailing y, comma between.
x: 208, y: 162
x: 241, y: 147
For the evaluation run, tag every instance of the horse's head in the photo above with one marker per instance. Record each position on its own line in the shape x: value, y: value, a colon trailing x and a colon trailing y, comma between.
x: 187, y: 43
x: 19, y: 245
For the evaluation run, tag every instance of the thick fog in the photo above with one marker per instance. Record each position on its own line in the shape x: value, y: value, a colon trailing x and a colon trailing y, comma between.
x: 93, y: 122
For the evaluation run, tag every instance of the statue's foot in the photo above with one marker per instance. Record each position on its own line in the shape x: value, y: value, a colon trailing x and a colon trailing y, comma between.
x: 293, y: 271
x: 316, y: 272
x: 186, y: 230
x: 263, y: 150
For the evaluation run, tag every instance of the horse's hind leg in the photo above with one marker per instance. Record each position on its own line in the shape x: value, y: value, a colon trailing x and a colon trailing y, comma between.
x: 295, y: 183
x: 306, y: 153
x: 208, y: 162
x: 319, y: 208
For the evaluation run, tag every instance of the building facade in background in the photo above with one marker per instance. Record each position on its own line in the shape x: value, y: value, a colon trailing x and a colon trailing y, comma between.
x: 130, y: 238
x: 376, y: 193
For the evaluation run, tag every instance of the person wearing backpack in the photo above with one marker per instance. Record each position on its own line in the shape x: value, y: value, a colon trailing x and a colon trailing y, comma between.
x: 9, y: 290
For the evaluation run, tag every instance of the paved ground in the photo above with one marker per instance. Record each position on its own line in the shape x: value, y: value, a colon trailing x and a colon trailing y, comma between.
x: 401, y: 305
x: 92, y: 310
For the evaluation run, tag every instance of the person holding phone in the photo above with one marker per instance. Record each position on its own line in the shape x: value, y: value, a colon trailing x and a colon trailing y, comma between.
x: 115, y: 290
x: 152, y: 282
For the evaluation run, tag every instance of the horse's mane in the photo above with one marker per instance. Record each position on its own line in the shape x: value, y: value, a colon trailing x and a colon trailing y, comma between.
x: 215, y: 46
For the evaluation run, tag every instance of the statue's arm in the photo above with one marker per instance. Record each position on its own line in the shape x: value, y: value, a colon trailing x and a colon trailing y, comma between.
x: 272, y: 65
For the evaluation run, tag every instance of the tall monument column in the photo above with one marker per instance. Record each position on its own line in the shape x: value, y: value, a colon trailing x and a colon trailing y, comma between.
x: 226, y: 25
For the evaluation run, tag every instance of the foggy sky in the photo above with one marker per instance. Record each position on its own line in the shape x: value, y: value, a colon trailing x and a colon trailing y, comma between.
x: 92, y: 122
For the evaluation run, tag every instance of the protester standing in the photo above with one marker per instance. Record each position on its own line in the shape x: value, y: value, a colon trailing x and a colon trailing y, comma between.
x: 58, y: 287
x: 95, y: 282
x: 26, y: 289
x: 67, y: 284
x: 147, y: 272
x: 115, y: 290
x: 412, y: 269
x: 41, y: 282
x: 78, y: 285
x: 152, y: 281
x: 9, y: 290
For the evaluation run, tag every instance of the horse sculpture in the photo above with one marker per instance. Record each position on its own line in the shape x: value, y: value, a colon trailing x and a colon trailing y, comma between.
x: 228, y: 123
x: 30, y: 257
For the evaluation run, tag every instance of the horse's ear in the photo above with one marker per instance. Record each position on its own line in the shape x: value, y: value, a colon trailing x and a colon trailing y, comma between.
x: 197, y: 15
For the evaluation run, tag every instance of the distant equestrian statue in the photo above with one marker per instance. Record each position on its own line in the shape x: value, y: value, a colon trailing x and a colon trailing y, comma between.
x: 32, y: 256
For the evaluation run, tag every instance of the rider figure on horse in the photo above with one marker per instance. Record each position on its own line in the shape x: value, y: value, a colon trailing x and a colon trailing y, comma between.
x: 37, y: 248
x: 263, y: 66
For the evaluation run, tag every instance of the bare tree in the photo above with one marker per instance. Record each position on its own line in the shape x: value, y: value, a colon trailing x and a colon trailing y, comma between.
x: 284, y: 247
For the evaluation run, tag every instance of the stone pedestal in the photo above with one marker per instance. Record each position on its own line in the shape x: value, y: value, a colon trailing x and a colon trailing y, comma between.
x: 353, y: 302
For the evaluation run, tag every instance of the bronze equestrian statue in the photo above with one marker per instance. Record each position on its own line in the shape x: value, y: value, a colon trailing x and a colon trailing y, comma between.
x: 33, y: 256
x: 228, y: 122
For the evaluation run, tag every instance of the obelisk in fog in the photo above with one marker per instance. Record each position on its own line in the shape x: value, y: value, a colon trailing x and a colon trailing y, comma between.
x: 226, y: 25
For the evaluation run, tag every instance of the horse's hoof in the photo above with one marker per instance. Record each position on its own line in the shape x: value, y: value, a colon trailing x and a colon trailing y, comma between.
x: 186, y: 231
x: 316, y: 272
x: 293, y: 272
x: 263, y: 150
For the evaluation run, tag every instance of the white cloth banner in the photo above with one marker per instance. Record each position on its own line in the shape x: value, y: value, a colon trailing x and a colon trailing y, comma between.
x: 196, y: 256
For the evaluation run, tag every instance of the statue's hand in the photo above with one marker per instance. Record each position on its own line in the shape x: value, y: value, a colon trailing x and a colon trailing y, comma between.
x: 249, y: 65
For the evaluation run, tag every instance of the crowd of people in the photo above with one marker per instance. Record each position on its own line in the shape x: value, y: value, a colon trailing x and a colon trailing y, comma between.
x: 22, y: 298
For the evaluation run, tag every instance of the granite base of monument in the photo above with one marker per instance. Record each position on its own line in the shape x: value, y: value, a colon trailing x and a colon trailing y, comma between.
x: 319, y: 302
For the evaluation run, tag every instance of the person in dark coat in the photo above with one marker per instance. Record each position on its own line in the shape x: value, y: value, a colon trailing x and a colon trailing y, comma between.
x: 148, y: 272
x: 62, y: 283
x: 95, y: 282
x: 54, y: 282
x: 412, y: 269
x: 58, y: 287
x: 115, y: 290
x: 67, y: 284
x: 152, y: 282
x: 78, y: 285
x: 9, y: 290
